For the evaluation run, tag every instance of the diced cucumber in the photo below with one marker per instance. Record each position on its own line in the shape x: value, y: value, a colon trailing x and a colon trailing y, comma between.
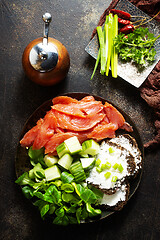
x: 67, y: 177
x: 62, y: 149
x: 65, y: 161
x: 50, y: 160
x: 90, y: 147
x: 73, y: 145
x: 52, y: 173
x: 77, y: 171
x: 87, y: 163
x: 82, y: 154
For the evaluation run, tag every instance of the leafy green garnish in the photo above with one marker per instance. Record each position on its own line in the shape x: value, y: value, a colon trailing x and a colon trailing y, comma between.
x: 137, y: 46
x: 24, y: 179
x: 28, y: 192
x: 36, y: 156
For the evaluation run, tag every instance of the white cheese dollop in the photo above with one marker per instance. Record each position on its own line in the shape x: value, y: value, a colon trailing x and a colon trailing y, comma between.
x: 113, y: 199
x: 113, y: 155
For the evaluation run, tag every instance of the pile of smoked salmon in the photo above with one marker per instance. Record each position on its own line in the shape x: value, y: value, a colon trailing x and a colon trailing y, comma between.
x: 86, y: 118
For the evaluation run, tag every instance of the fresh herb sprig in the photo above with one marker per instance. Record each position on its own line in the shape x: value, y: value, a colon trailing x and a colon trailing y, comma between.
x: 137, y: 46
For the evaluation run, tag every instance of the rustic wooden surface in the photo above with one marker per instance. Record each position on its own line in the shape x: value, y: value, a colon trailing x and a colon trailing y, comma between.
x: 72, y: 24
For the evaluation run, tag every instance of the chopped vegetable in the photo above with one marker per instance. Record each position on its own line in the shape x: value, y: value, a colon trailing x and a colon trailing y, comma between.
x: 36, y: 172
x: 90, y: 147
x: 73, y: 145
x: 67, y: 177
x: 108, y: 165
x: 62, y: 149
x: 87, y: 163
x: 77, y: 171
x: 50, y: 160
x: 103, y: 166
x: 99, y: 169
x: 114, y: 178
x: 98, y: 162
x: 115, y: 166
x: 52, y: 173
x: 107, y: 175
x: 111, y: 150
x: 120, y: 168
x: 65, y: 161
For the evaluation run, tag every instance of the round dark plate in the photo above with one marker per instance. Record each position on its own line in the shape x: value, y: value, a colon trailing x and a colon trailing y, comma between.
x: 22, y: 163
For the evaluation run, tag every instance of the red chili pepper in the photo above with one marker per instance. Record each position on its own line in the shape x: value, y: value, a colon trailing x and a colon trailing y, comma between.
x: 124, y: 22
x: 121, y: 14
x: 127, y: 29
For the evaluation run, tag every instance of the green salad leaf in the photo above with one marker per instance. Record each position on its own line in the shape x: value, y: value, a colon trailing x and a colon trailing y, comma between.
x: 36, y: 156
x: 137, y: 46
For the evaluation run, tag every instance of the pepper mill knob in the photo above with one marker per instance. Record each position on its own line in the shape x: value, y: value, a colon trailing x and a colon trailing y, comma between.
x: 45, y: 60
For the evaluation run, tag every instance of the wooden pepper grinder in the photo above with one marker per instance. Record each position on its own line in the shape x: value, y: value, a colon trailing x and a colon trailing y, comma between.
x: 46, y: 60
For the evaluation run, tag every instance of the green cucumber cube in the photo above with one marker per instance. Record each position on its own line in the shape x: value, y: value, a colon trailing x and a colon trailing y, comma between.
x: 73, y: 145
x: 83, y: 155
x: 65, y: 161
x: 77, y: 171
x: 90, y: 147
x: 52, y: 173
x: 50, y: 160
x: 87, y: 163
x: 62, y: 149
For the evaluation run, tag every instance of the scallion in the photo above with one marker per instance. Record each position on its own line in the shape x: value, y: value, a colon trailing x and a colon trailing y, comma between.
x: 114, y: 54
x: 102, y: 47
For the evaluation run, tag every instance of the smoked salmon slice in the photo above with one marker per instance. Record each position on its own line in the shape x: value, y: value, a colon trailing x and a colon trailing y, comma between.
x: 64, y: 100
x: 73, y: 123
x: 30, y: 136
x: 87, y: 99
x: 46, y: 130
x: 80, y: 109
x: 114, y: 115
x: 103, y: 131
x: 86, y: 118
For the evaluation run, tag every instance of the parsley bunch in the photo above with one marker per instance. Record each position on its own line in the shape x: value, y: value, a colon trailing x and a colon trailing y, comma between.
x: 138, y: 46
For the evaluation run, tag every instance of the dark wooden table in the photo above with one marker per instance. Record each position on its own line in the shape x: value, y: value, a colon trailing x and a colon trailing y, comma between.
x: 72, y: 24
